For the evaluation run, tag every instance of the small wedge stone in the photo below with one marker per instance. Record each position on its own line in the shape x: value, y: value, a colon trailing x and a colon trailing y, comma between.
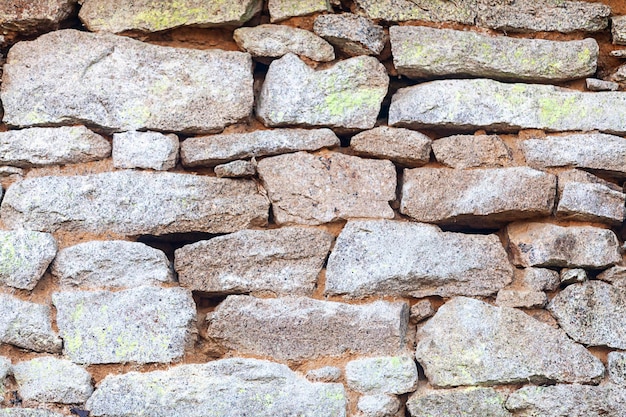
x: 618, y: 30
x: 148, y: 150
x: 467, y: 402
x: 404, y: 146
x: 593, y: 84
x: 521, y: 298
x: 324, y: 374
x: 382, y: 375
x: 422, y: 310
x: 469, y: 151
x: 236, y: 169
x: 573, y: 275
x: 352, y: 34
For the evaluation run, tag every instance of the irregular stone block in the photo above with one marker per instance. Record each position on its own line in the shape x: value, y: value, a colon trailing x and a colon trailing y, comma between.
x: 539, y: 279
x: 132, y: 203
x: 32, y: 17
x: 470, y: 402
x: 620, y: 53
x: 521, y: 298
x: 297, y: 328
x: 67, y: 77
x: 27, y: 412
x: 347, y: 95
x: 284, y: 9
x: 469, y: 151
x: 140, y: 325
x: 380, y: 405
x: 150, y: 150
x: 615, y: 275
x: 315, y: 189
x: 593, y: 84
x: 27, y: 325
x: 382, y: 375
x: 354, y: 35
x: 403, y: 146
x: 24, y: 257
x: 619, y: 75
x: 367, y: 260
x: 324, y: 374
x: 236, y: 169
x: 571, y: 276
x: 422, y: 310
x: 469, y: 342
x: 617, y: 367
x: 618, y: 30
x: 10, y: 171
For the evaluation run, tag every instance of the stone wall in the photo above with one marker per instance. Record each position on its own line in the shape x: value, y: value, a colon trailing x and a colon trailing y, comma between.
x: 372, y: 208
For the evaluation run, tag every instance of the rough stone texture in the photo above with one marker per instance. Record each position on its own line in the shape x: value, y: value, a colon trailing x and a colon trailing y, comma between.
x: 274, y: 41
x: 467, y: 402
x: 111, y: 265
x: 422, y: 310
x: 297, y: 328
x: 380, y: 405
x: 618, y: 30
x: 284, y: 9
x: 315, y: 189
x: 10, y: 171
x: 549, y: 245
x: 27, y: 412
x: 131, y: 202
x: 347, y: 95
x: 41, y: 146
x: 281, y: 261
x: 68, y: 76
x: 24, y: 257
x: 521, y: 298
x: 620, y: 53
x: 52, y: 380
x: 141, y: 325
x: 236, y: 169
x: 403, y: 146
x: 27, y: 325
x: 615, y: 275
x: 619, y: 75
x: 469, y: 151
x: 571, y: 276
x: 382, y: 375
x: 469, y: 342
x: 423, y: 52
x: 217, y: 149
x: 594, y: 84
x: 151, y: 150
x: 324, y: 374
x: 617, y: 367
x: 352, y: 34
x: 367, y: 260
x: 23, y: 17
x: 468, y: 105
x: 149, y: 16
x: 5, y: 368
x: 233, y: 387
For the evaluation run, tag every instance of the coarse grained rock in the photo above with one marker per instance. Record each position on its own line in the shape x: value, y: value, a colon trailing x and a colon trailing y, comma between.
x: 378, y: 405
x: 274, y: 41
x: 42, y: 146
x: 572, y: 275
x: 422, y: 310
x: 324, y: 374
x: 284, y: 9
x: 236, y: 169
x: 382, y: 375
x: 24, y: 257
x: 472, y: 151
x: 52, y: 380
x: 297, y: 328
x: 149, y: 150
x: 347, y: 95
x: 234, y: 387
x: 111, y: 264
x: 132, y: 202
x: 7, y: 171
x: 550, y: 245
x: 617, y: 367
x: 27, y: 325
x: 469, y: 342
x: 314, y: 189
x: 404, y: 146
x: 24, y: 17
x: 120, y: 84
x: 469, y: 402
x: 594, y: 84
x: 148, y: 16
x: 615, y: 275
x: 522, y: 298
x: 618, y: 30
x: 282, y: 261
x: 143, y: 324
x: 367, y: 260
x: 468, y: 105
x: 27, y: 412
x: 216, y: 149
x: 478, y: 197
x: 424, y: 52
x: 5, y: 369
x: 352, y: 34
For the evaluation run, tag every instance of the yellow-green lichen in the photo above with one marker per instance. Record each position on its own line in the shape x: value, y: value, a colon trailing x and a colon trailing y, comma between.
x: 553, y: 110
x: 345, y: 103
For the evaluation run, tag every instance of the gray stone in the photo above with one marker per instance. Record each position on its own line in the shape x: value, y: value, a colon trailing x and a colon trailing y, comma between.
x: 382, y: 375
x: 467, y: 402
x: 423, y: 52
x: 367, y: 260
x: 469, y: 151
x: 619, y: 75
x: 618, y: 30
x: 521, y: 298
x: 151, y: 150
x: 32, y: 17
x: 142, y: 325
x: 347, y: 95
x: 236, y: 169
x: 573, y: 275
x: 274, y: 41
x: 217, y: 149
x: 478, y: 197
x: 620, y: 53
x: 5, y: 369
x: 24, y: 257
x: 380, y: 405
x: 67, y: 77
x: 10, y: 171
x: 470, y: 105
x: 540, y: 279
x: 617, y: 367
x: 469, y: 342
x: 422, y: 310
x: 27, y: 412
x: 593, y: 84
x: 404, y: 146
x: 354, y: 35
x: 52, y: 380
x: 284, y: 9
x: 281, y: 261
x: 324, y: 374
x: 41, y: 146
x: 234, y: 387
x: 615, y: 275
x: 111, y: 264
x: 544, y: 244
x: 131, y: 202
x: 296, y: 328
x: 315, y: 189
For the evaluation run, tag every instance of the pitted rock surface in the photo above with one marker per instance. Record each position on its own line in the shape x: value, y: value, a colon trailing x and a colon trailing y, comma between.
x: 469, y: 402
x: 24, y: 257
x: 147, y: 150
x: 472, y: 151
x: 27, y: 325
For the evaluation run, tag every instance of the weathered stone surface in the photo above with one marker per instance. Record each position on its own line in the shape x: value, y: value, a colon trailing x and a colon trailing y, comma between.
x: 423, y: 52
x: 24, y: 257
x: 284, y: 9
x: 68, y: 76
x: 233, y: 387
x: 352, y: 34
x: 422, y: 310
x: 217, y: 149
x: 143, y: 324
x: 403, y: 146
x: 27, y: 412
x: 296, y: 328
x: 469, y: 342
x: 382, y: 375
x: 151, y: 150
x: 521, y: 298
x: 495, y: 106
x: 469, y: 151
x: 149, y: 16
x: 618, y: 30
x: 347, y: 95
x: 131, y: 202
x: 367, y: 260
x: 5, y: 368
x: 41, y: 146
x: 6, y: 171
x: 236, y: 169
x: 617, y: 367
x: 380, y: 405
x: 282, y: 261
x: 619, y: 53
x: 31, y: 17
x: 324, y: 374
x: 619, y: 75
x: 111, y: 265
x: 572, y: 275
x: 469, y: 402
x: 274, y: 41
x: 52, y: 380
x: 593, y: 84
x: 315, y: 189
x: 615, y: 275
x: 544, y: 244
x: 27, y: 325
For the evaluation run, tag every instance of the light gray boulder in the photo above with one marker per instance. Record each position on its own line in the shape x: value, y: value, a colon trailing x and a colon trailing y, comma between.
x: 149, y: 150
x: 617, y: 367
x: 618, y: 30
x: 472, y: 151
x: 352, y: 34
x: 404, y: 146
x: 27, y: 325
x: 467, y: 402
x: 24, y: 257
x: 284, y: 9
x: 379, y: 405
x: 382, y: 375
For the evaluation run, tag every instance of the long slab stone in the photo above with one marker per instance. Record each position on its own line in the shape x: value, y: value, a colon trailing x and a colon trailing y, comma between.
x: 132, y: 203
x: 467, y: 402
x: 119, y: 84
x: 24, y: 257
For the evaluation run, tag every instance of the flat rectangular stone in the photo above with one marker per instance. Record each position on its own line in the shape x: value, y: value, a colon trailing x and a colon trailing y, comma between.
x: 404, y: 146
x: 469, y: 151
x: 147, y: 150
x: 27, y: 325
